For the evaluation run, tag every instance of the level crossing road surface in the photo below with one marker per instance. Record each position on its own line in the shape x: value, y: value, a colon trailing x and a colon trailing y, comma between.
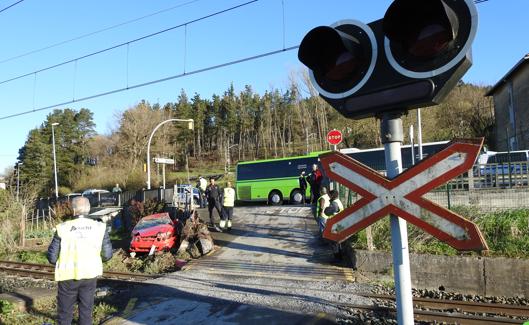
x: 272, y: 268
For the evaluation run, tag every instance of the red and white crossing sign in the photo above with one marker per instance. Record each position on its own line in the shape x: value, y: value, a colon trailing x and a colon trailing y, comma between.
x: 334, y: 137
x: 403, y: 196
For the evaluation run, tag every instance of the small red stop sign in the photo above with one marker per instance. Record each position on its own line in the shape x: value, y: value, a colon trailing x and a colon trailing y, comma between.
x: 334, y: 137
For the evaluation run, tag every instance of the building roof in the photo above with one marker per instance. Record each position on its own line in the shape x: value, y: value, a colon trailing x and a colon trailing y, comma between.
x: 507, y: 76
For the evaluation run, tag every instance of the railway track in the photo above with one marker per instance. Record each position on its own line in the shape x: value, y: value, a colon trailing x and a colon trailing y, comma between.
x: 43, y: 271
x: 451, y: 311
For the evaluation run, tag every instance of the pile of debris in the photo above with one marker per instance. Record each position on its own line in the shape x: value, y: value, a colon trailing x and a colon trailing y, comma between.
x: 196, y: 239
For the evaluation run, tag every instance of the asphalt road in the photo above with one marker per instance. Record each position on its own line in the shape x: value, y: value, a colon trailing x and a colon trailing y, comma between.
x: 270, y: 269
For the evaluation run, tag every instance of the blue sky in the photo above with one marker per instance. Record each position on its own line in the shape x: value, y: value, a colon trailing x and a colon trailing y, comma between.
x: 250, y: 30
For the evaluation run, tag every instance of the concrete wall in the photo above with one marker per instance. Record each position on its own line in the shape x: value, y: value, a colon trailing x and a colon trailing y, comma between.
x: 464, y: 274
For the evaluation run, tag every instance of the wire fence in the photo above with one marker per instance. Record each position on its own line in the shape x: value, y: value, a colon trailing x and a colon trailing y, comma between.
x: 485, y: 187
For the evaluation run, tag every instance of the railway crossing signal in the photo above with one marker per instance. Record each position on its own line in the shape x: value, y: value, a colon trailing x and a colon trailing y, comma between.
x: 411, y: 58
x: 403, y: 196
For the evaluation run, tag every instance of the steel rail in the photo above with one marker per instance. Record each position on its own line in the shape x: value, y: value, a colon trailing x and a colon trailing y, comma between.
x: 47, y: 272
x: 464, y: 306
x: 436, y: 316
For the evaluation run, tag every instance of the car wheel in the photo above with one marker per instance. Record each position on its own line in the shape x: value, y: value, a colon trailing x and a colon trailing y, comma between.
x: 296, y: 197
x: 275, y: 198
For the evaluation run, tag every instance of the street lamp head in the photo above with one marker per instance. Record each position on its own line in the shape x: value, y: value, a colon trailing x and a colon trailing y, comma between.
x: 54, y: 124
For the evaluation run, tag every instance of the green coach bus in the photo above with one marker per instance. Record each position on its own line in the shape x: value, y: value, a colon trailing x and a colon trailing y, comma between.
x: 274, y: 180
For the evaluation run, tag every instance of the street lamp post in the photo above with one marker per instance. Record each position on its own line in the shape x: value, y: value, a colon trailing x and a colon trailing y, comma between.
x: 18, y: 178
x: 54, y: 159
x: 190, y: 126
x: 228, y: 158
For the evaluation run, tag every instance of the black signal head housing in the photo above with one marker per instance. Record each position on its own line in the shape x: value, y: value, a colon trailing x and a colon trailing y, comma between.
x: 411, y: 58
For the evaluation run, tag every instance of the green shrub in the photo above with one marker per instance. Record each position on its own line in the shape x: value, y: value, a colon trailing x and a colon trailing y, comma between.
x: 6, y: 307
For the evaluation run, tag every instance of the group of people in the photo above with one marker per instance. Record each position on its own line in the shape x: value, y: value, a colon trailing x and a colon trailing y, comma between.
x: 326, y: 203
x: 81, y: 245
x: 222, y: 201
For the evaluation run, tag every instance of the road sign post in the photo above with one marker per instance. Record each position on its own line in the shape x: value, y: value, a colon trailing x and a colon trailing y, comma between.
x: 392, y: 137
x: 164, y: 161
x: 402, y: 195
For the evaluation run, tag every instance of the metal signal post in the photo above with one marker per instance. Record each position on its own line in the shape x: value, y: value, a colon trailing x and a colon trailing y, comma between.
x: 411, y: 58
x: 391, y: 131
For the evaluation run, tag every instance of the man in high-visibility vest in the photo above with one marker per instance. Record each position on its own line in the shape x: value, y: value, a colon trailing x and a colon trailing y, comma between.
x: 334, y: 206
x: 228, y: 202
x: 323, y: 202
x: 202, y: 185
x: 77, y: 250
x: 333, y: 209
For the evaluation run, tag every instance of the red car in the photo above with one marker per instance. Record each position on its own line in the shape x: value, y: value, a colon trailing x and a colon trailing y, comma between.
x: 156, y: 230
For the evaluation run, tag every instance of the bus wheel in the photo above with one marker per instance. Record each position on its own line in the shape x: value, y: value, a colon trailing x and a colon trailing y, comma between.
x: 275, y: 198
x: 296, y: 197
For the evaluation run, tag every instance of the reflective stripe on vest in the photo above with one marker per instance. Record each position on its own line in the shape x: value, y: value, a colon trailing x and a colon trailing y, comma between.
x: 326, y: 203
x: 229, y: 197
x: 80, y: 255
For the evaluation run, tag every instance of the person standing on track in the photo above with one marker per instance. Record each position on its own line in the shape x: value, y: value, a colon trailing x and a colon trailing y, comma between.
x: 77, y: 250
x: 202, y: 185
x: 213, y: 197
x: 228, y: 202
x: 335, y: 206
x: 315, y: 178
x: 303, y: 187
x: 324, y: 201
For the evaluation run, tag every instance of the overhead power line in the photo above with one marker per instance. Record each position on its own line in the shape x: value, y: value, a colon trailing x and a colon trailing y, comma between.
x: 96, y: 32
x: 11, y: 5
x: 129, y: 42
x: 214, y: 67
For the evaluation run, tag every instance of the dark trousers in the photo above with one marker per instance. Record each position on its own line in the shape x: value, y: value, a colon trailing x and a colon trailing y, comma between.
x: 227, y: 213
x: 303, y: 195
x: 213, y: 204
x: 75, y: 291
x: 202, y: 198
x: 314, y: 193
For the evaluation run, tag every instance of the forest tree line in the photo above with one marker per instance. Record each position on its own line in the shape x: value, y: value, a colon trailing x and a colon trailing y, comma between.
x: 243, y: 125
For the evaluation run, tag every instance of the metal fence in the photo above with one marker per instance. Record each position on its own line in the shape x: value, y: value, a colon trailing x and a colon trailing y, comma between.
x: 45, y: 211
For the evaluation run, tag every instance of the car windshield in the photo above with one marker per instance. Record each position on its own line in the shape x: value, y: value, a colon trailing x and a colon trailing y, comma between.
x: 148, y: 223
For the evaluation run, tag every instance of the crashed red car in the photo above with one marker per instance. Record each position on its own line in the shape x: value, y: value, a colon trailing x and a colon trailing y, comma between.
x: 156, y: 230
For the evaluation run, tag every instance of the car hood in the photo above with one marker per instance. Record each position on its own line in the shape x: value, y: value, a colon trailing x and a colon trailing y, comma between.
x: 152, y: 231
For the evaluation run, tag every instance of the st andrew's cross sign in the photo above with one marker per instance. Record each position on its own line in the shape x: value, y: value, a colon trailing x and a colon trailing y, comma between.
x: 404, y: 196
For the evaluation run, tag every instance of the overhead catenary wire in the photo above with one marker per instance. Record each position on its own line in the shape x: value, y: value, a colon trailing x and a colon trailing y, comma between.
x: 96, y: 32
x: 214, y: 67
x: 10, y: 6
x: 129, y: 42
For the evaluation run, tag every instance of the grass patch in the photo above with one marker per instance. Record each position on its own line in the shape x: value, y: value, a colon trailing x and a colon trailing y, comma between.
x: 506, y: 233
x: 45, y: 311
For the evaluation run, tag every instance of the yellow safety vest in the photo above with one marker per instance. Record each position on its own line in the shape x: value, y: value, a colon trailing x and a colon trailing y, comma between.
x: 340, y: 208
x: 340, y: 205
x: 326, y: 203
x: 229, y: 197
x: 80, y: 255
x: 203, y: 184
